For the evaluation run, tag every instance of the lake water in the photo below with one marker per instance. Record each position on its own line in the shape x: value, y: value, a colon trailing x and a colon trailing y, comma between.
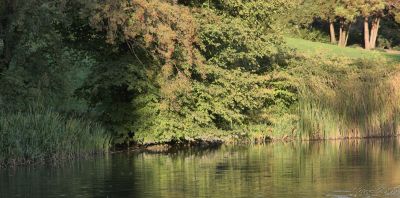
x: 354, y: 168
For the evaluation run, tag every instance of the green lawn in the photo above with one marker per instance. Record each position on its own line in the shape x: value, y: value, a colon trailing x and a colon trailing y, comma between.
x: 310, y: 47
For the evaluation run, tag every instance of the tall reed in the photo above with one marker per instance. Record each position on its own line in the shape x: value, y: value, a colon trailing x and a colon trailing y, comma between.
x: 40, y: 135
x: 355, y: 100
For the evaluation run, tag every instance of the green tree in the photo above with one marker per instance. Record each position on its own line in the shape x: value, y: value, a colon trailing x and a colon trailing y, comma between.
x: 179, y: 72
x: 326, y: 11
x: 346, y: 11
x: 371, y: 9
x: 39, y: 66
x: 394, y: 9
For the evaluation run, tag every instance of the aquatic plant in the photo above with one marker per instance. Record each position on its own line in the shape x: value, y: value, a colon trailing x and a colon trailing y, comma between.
x: 342, y: 99
x: 43, y: 135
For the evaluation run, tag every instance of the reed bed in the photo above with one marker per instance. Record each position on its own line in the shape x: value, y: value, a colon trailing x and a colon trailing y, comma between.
x: 358, y: 100
x: 44, y: 135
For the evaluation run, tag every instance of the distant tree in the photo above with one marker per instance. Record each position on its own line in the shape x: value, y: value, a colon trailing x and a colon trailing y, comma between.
x: 371, y: 10
x: 346, y: 11
x: 326, y: 11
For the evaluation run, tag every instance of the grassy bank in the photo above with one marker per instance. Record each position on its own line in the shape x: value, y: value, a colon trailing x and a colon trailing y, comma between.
x: 43, y: 135
x: 329, y: 50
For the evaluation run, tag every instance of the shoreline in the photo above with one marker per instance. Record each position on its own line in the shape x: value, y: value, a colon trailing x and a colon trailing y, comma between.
x: 168, y: 146
x: 173, y: 147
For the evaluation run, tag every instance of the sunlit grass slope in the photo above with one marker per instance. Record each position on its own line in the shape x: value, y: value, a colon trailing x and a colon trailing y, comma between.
x: 310, y: 47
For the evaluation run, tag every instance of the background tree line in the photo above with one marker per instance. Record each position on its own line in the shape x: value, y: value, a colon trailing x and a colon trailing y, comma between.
x: 344, y: 16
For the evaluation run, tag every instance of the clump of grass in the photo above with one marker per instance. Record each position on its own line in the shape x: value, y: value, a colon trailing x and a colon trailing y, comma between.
x: 348, y: 100
x: 41, y: 135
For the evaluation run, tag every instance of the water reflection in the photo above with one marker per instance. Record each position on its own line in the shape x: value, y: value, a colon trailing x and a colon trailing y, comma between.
x: 353, y: 168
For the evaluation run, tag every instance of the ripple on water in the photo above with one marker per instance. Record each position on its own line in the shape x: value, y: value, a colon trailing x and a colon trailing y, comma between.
x: 364, y: 168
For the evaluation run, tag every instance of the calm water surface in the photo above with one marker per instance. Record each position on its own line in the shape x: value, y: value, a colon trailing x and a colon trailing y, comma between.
x: 362, y: 168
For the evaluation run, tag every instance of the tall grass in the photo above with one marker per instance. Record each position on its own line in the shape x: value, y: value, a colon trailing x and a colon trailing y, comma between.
x: 41, y: 135
x: 349, y: 100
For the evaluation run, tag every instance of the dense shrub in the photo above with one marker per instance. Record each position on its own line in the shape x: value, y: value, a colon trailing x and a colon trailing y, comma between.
x: 235, y: 83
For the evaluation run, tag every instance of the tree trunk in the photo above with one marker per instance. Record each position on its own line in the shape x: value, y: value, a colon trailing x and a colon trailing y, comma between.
x: 332, y: 31
x: 367, y: 45
x: 346, y: 34
x: 374, y: 32
x: 343, y: 33
x: 340, y: 34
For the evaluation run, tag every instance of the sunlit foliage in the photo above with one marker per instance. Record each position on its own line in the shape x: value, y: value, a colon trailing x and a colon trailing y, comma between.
x: 157, y: 71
